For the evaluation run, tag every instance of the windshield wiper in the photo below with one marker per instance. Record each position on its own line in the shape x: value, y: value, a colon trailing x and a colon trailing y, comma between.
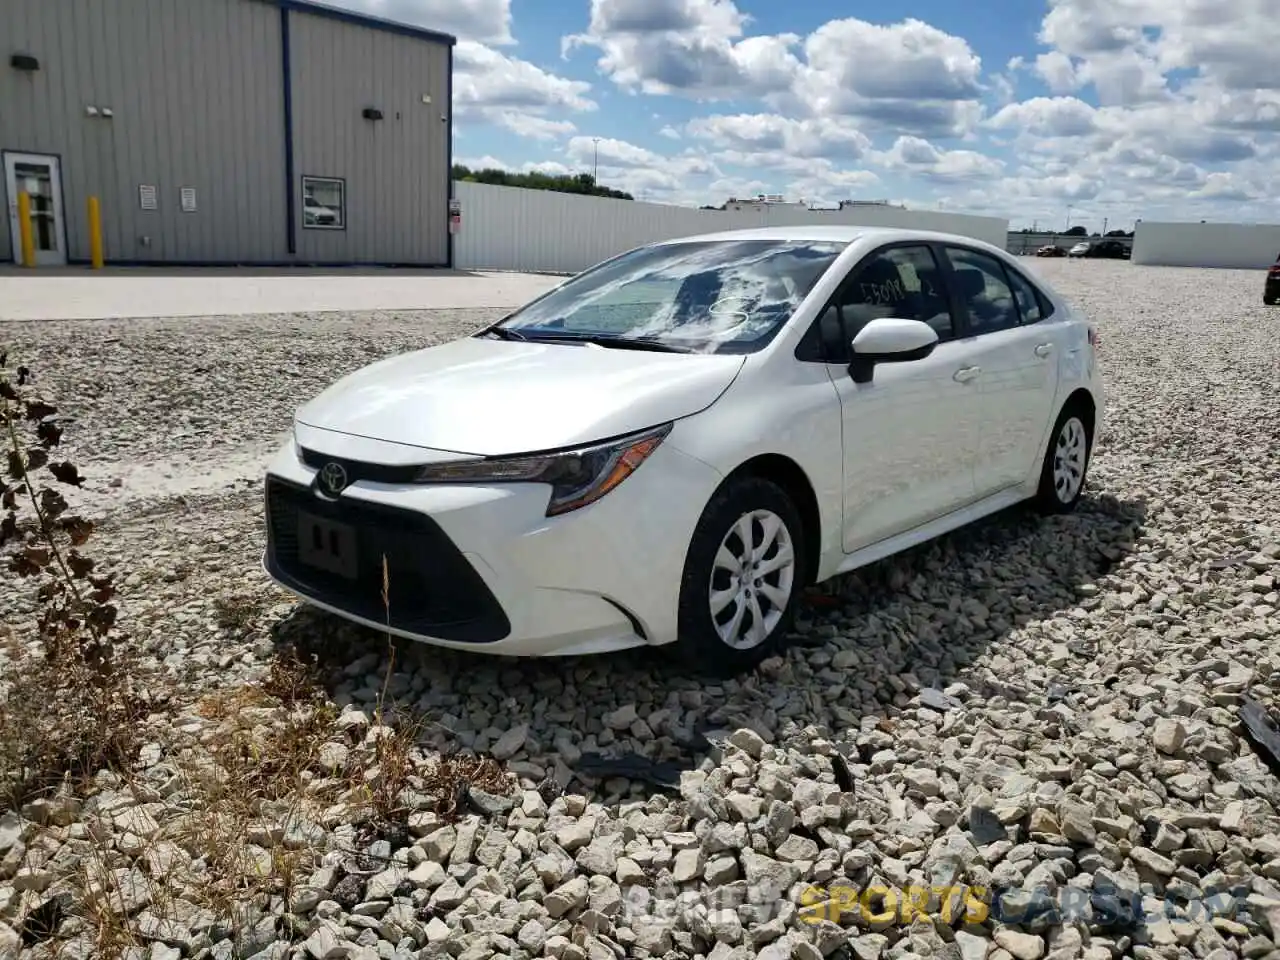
x: 615, y: 343
x: 504, y: 333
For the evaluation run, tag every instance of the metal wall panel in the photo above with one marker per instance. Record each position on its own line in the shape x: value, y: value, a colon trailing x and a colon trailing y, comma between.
x: 396, y: 168
x: 196, y: 90
x: 1238, y: 245
x: 508, y: 228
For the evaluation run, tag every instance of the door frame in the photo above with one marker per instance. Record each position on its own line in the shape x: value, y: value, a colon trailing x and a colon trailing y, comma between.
x: 11, y: 202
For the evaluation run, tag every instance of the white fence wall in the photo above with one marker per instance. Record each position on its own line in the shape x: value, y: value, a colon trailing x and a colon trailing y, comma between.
x: 510, y: 228
x: 1206, y: 244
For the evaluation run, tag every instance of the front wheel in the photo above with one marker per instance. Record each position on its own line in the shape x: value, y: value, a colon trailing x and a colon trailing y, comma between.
x: 1066, y: 464
x: 742, y: 578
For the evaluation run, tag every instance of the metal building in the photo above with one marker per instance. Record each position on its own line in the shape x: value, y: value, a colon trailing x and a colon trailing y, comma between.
x: 225, y: 132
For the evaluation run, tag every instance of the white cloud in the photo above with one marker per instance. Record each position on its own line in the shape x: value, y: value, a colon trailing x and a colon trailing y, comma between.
x: 613, y: 154
x: 691, y: 47
x: 536, y: 128
x: 549, y: 167
x: 810, y: 159
x: 727, y: 187
x: 1185, y: 130
x: 1125, y: 47
x: 1059, y: 72
x: 487, y: 162
x: 1047, y: 117
x: 917, y: 157
x: 491, y: 87
x: 907, y: 77
x: 488, y: 21
x: 825, y: 185
x: 766, y: 133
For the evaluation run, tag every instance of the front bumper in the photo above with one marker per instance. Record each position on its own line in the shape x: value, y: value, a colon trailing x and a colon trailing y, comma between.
x: 483, y: 568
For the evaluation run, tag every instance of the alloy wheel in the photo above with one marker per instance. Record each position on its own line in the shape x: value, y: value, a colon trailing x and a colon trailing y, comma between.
x: 752, y: 577
x: 1069, y: 454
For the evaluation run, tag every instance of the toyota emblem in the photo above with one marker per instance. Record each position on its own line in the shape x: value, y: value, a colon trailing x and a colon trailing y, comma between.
x: 333, y: 477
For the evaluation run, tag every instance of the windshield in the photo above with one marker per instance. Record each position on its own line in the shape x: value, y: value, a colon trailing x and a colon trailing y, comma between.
x: 712, y: 296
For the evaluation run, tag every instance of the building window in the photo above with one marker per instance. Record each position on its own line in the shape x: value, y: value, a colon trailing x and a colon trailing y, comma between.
x: 324, y: 203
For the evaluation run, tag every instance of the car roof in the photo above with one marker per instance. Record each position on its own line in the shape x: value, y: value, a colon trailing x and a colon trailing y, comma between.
x: 843, y: 233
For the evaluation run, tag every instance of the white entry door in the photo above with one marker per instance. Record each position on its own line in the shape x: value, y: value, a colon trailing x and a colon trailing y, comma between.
x: 40, y: 176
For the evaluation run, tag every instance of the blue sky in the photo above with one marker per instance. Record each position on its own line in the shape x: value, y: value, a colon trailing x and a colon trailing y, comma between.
x: 1042, y: 111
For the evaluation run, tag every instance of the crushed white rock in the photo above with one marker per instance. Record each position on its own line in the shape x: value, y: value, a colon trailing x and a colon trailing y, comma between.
x: 1040, y: 711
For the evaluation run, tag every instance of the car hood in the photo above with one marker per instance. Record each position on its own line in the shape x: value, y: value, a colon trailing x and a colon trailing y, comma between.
x: 495, y: 397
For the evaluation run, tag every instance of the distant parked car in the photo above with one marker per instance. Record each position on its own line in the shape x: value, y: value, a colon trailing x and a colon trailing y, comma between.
x: 667, y: 448
x: 1051, y: 250
x: 1271, y: 290
x: 1100, y: 250
x: 1108, y: 250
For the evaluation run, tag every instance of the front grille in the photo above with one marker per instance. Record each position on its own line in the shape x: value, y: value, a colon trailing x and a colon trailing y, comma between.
x: 434, y: 590
x: 359, y: 470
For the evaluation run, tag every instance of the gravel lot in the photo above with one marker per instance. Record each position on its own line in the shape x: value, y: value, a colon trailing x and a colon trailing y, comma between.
x: 1041, y: 707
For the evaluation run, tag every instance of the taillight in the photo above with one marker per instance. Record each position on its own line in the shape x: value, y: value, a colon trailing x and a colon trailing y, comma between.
x: 1094, y: 340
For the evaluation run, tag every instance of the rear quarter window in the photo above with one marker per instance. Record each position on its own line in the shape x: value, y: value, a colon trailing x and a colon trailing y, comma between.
x: 1034, y: 303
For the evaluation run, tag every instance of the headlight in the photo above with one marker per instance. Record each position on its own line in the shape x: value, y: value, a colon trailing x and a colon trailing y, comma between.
x: 577, y: 477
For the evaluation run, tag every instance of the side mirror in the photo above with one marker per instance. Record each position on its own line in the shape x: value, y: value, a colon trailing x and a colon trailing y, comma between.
x: 890, y: 340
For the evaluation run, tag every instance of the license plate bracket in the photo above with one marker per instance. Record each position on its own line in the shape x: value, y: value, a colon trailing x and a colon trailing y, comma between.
x: 327, y: 545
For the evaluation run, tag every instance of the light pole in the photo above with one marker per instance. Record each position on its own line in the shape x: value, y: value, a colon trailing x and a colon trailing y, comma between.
x: 595, y: 160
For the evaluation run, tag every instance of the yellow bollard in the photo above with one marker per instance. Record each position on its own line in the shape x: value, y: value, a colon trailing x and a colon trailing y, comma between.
x: 26, y: 237
x: 95, y: 234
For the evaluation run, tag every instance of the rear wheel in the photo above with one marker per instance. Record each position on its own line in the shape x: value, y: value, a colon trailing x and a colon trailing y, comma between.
x: 742, y: 578
x: 1066, y: 463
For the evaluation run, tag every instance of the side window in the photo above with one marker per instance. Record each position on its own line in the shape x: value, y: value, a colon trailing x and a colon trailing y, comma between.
x: 901, y: 282
x: 984, y: 291
x: 1025, y: 295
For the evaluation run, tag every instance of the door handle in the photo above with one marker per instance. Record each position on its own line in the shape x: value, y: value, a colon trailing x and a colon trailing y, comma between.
x: 1044, y: 349
x: 965, y: 374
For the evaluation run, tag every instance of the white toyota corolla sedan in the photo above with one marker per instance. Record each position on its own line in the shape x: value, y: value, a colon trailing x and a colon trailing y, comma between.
x: 667, y: 448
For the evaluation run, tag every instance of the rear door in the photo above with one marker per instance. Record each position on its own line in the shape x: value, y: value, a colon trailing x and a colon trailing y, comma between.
x: 1017, y: 346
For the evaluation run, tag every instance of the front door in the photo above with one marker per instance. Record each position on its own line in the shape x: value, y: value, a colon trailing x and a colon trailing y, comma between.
x: 40, y: 177
x: 910, y: 436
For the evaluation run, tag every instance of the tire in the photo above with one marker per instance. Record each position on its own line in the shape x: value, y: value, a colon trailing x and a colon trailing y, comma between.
x: 1071, y: 443
x: 705, y: 632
